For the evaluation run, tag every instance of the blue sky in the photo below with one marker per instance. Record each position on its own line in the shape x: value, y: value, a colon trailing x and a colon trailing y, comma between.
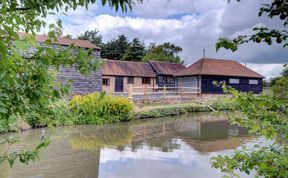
x: 191, y: 24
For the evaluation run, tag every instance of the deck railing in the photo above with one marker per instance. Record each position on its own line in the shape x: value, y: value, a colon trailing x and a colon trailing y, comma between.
x: 162, y: 91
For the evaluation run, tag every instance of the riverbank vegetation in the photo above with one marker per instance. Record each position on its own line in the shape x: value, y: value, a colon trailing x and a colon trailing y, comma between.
x: 164, y: 110
x: 101, y: 108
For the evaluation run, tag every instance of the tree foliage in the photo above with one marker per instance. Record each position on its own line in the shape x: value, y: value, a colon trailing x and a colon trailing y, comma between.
x: 163, y: 52
x: 93, y: 36
x: 262, y: 115
x: 123, y: 49
x: 27, y: 87
x: 277, y: 9
x: 27, y: 78
x: 284, y: 73
x: 115, y: 49
x: 266, y: 161
x: 135, y: 52
x: 280, y: 89
x: 24, y: 156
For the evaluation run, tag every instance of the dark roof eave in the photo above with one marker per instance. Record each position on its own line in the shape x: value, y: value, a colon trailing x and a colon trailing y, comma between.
x: 186, y: 75
x: 121, y: 75
x: 234, y: 75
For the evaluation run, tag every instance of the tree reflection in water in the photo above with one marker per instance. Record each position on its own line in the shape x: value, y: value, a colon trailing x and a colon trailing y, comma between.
x: 90, y: 151
x: 205, y: 134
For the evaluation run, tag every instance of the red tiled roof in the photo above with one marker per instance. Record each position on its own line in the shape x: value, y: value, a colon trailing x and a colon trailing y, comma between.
x: 127, y: 68
x: 166, y: 68
x: 207, y: 66
x: 65, y: 41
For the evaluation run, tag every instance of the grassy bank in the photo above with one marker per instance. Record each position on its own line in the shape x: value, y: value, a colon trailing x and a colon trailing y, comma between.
x: 165, y: 110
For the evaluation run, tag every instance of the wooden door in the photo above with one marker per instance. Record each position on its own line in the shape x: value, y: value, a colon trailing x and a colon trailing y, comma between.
x: 119, y: 84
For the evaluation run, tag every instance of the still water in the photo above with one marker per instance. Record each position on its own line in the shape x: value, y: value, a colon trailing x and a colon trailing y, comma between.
x: 159, y: 148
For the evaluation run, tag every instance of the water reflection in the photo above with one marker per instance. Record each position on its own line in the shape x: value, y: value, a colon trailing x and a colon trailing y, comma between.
x: 170, y: 147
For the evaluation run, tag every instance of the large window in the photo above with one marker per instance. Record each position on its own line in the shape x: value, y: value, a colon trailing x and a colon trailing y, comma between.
x: 130, y: 80
x: 146, y: 80
x: 165, y: 79
x: 161, y: 79
x: 233, y: 81
x: 106, y: 81
x: 170, y: 79
x: 253, y: 82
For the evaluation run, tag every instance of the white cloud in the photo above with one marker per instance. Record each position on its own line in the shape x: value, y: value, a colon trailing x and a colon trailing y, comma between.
x: 269, y: 70
x: 165, y: 8
x: 201, y: 25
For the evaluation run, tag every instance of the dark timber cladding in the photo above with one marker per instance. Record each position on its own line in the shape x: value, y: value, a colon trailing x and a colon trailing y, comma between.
x: 233, y: 73
x: 243, y: 85
x: 80, y: 84
x: 165, y: 72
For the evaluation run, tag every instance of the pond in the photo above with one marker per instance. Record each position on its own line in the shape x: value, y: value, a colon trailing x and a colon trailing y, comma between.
x: 158, y: 148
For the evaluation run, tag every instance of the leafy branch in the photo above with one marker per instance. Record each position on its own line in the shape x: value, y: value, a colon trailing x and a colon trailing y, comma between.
x: 277, y: 9
x: 262, y: 115
x: 267, y: 161
x: 24, y: 156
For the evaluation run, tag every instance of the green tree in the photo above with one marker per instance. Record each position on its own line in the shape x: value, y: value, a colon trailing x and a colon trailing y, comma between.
x: 266, y: 83
x: 284, y: 73
x: 93, y: 36
x: 135, y: 52
x: 164, y: 52
x: 115, y: 49
x: 277, y: 9
x: 27, y: 86
x: 273, y: 80
x: 68, y: 36
x: 280, y: 89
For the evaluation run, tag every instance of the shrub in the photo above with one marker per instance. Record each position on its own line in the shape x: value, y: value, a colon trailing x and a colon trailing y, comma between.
x: 223, y: 103
x: 60, y: 114
x: 99, y: 108
x: 280, y: 89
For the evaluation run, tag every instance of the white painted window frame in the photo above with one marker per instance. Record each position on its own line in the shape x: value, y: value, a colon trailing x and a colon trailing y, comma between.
x: 253, y: 82
x: 234, y: 81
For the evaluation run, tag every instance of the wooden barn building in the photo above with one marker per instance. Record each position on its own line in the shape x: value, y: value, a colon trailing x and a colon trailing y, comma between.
x: 202, y: 73
x: 164, y: 72
x: 117, y: 75
x: 81, y: 84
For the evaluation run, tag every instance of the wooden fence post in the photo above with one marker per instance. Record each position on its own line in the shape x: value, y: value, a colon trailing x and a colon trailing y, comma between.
x: 130, y: 92
x: 145, y: 92
x: 182, y: 92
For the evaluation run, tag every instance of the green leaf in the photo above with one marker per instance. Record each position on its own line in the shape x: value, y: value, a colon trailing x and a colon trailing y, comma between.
x: 43, y: 144
x: 3, y: 50
x: 20, y: 44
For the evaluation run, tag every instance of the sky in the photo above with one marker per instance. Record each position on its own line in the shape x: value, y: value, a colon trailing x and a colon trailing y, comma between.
x: 191, y: 24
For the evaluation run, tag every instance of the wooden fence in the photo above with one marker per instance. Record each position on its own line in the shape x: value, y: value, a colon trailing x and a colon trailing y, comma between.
x: 162, y: 91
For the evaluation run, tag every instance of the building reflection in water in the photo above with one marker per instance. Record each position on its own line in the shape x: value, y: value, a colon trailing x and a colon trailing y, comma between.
x: 167, y: 147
